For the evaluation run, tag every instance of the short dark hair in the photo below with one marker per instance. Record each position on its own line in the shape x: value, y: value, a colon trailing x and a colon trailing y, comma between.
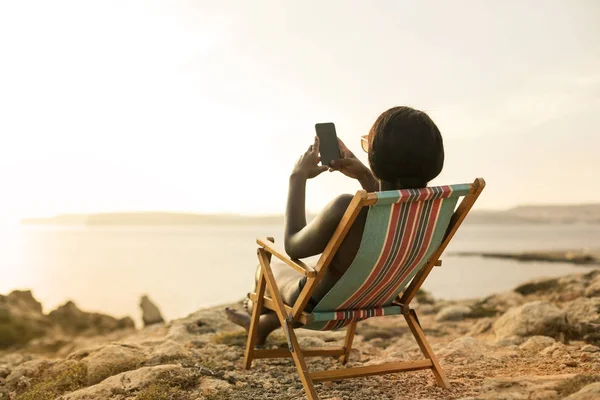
x: 405, y: 148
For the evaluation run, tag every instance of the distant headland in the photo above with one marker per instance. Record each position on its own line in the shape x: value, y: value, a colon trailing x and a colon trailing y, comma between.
x: 153, y: 218
x: 558, y: 214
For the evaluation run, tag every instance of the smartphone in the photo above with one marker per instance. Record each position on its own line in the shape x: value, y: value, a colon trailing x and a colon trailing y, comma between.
x: 328, y: 146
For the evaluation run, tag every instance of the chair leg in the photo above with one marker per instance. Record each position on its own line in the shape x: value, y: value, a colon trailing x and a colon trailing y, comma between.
x: 298, y: 358
x: 415, y: 327
x: 286, y: 325
x: 350, y: 330
x: 253, y: 331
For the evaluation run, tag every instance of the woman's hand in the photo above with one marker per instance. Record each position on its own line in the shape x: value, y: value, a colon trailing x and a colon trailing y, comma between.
x: 307, y: 165
x: 348, y: 164
x: 352, y: 167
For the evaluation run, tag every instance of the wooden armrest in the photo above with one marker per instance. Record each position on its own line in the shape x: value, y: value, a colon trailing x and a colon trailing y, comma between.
x: 305, y: 317
x: 296, y: 264
x: 438, y: 263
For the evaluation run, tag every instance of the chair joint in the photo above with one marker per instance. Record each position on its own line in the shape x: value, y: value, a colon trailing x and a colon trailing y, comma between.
x: 288, y: 336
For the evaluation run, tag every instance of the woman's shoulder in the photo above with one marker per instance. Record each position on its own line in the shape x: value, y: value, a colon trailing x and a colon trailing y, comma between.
x: 336, y: 208
x: 341, y: 202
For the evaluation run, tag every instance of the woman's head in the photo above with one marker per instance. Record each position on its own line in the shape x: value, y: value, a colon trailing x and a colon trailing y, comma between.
x: 406, y: 149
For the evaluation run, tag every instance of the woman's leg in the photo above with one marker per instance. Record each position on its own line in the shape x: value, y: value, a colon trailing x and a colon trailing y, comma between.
x: 288, y: 282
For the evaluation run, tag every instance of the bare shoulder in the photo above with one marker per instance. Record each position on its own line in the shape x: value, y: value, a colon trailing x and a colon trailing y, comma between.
x: 336, y: 208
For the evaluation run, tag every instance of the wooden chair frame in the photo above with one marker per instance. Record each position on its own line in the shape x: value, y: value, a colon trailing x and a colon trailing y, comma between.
x: 288, y: 315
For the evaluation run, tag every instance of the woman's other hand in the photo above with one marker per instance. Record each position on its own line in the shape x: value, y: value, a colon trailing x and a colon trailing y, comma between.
x: 348, y: 164
x: 352, y: 167
x: 307, y: 165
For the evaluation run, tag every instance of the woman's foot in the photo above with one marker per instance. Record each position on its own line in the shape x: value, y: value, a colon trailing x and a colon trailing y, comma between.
x: 266, y: 324
x: 238, y: 318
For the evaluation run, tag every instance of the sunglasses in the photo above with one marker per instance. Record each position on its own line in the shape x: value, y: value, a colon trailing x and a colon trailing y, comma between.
x: 364, y: 142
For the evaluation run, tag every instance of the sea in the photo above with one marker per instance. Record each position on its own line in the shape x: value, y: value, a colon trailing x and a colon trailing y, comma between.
x: 184, y: 268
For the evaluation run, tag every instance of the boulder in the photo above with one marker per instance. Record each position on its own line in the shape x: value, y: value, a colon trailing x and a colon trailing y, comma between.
x: 588, y: 348
x: 73, y: 321
x: 481, y: 326
x: 167, y: 352
x: 555, y: 350
x: 570, y: 287
x: 150, y: 312
x: 593, y: 288
x: 583, y: 317
x: 109, y: 360
x: 22, y: 322
x: 24, y: 301
x: 424, y: 297
x: 425, y: 309
x: 510, y: 341
x: 123, y: 382
x: 21, y: 319
x: 464, y: 347
x: 536, y: 344
x: 589, y: 392
x: 25, y: 372
x: 543, y: 285
x: 523, y: 387
x: 452, y: 313
x: 534, y: 318
x: 211, y: 386
x: 502, y: 302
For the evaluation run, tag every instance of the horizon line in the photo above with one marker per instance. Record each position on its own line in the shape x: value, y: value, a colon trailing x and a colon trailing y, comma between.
x: 270, y: 215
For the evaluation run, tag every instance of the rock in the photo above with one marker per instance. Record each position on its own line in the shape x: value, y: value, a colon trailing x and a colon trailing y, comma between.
x: 588, y: 348
x: 21, y: 319
x: 570, y: 364
x: 589, y: 392
x: 22, y: 322
x: 523, y: 387
x: 464, y: 347
x: 26, y: 371
x: 48, y: 344
x: 110, y: 360
x: 593, y: 284
x: 150, y: 312
x: 534, y: 318
x: 166, y: 352
x: 4, y: 372
x: 570, y: 287
x: 593, y: 290
x: 73, y: 321
x: 502, y: 302
x: 510, y: 341
x: 425, y: 309
x: 583, y: 316
x: 481, y: 326
x: 537, y: 343
x: 556, y: 350
x: 452, y: 313
x: 210, y: 386
x: 311, y: 341
x: 424, y: 297
x: 537, y: 286
x: 123, y: 382
x: 24, y: 301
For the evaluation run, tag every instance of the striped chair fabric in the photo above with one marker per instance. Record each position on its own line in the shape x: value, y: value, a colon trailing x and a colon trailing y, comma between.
x: 403, y: 229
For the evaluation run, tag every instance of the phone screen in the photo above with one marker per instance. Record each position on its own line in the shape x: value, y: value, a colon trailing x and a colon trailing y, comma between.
x: 328, y: 147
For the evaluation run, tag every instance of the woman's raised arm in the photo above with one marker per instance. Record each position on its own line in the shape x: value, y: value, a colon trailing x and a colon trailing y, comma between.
x: 302, y: 239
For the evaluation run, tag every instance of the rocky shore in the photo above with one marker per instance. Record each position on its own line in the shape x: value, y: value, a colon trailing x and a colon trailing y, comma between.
x: 539, y: 341
x: 578, y: 257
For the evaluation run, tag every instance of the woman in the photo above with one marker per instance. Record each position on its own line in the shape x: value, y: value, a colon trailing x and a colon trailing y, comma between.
x: 406, y: 151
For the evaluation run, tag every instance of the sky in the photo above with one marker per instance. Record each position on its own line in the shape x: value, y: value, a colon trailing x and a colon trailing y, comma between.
x: 204, y: 106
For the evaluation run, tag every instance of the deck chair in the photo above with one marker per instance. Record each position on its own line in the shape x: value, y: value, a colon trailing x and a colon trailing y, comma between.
x: 405, y: 233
